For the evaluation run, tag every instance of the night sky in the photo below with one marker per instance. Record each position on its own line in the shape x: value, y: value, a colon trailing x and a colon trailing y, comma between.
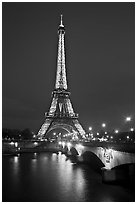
x: 100, y: 62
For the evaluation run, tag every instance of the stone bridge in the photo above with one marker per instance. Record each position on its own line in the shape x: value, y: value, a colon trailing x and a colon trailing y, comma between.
x: 107, y: 157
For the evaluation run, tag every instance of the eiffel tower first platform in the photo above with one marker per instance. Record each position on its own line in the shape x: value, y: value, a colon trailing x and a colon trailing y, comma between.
x: 61, y: 113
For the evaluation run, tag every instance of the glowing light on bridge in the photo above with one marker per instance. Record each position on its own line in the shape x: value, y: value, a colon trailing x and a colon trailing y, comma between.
x: 80, y: 146
x: 69, y: 145
x: 63, y: 144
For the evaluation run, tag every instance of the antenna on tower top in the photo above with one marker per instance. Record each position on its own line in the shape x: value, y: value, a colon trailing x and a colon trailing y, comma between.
x: 61, y: 21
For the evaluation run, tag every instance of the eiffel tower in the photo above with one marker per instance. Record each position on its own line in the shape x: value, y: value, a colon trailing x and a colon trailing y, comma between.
x: 61, y: 113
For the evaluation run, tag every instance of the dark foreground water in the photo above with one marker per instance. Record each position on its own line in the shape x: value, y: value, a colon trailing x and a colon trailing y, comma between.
x: 50, y: 177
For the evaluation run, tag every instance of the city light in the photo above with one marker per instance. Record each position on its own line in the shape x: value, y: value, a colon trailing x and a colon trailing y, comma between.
x: 105, y: 133
x: 127, y: 137
x: 128, y: 118
x: 54, y: 133
x: 131, y: 129
x: 90, y: 128
x: 35, y: 143
x: 103, y: 125
x: 97, y: 133
x: 60, y: 142
x: 16, y: 144
x: 12, y: 143
x: 63, y: 144
x: 116, y: 131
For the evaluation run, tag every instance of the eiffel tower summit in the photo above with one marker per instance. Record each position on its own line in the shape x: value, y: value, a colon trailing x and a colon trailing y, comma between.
x: 61, y: 113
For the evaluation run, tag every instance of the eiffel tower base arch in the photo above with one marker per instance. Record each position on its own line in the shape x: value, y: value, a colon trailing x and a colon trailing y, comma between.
x: 70, y: 126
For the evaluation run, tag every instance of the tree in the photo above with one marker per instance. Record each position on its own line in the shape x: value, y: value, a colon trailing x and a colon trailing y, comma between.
x: 26, y: 134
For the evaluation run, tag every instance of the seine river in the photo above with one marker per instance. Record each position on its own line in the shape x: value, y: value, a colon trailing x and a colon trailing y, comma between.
x: 44, y: 177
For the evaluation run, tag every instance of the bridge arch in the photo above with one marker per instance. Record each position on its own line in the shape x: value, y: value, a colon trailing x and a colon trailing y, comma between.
x: 68, y: 128
x: 93, y: 160
x: 73, y: 151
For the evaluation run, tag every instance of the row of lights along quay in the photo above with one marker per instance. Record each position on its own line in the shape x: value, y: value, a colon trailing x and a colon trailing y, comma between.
x: 17, y: 141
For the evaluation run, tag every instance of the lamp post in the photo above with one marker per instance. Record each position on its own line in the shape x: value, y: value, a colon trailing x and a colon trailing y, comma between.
x: 90, y: 132
x: 103, y: 126
x: 116, y: 131
x: 128, y: 119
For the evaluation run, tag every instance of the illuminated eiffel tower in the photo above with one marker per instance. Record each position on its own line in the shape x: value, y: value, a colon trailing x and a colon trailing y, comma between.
x: 61, y: 113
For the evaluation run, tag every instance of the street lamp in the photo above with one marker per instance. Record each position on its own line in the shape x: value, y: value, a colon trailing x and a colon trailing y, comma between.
x: 90, y: 131
x: 116, y: 131
x: 103, y: 125
x: 90, y: 128
x: 128, y: 119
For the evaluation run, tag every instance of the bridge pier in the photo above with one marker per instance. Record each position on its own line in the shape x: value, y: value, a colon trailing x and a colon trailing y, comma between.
x: 121, y: 174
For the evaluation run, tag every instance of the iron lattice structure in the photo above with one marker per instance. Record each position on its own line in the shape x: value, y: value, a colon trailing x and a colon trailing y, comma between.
x: 61, y: 113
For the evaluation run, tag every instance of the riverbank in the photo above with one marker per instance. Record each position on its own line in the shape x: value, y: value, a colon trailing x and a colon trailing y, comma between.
x: 38, y: 146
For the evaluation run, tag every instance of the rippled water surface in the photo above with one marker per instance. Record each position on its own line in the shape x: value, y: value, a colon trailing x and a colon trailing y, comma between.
x: 52, y: 177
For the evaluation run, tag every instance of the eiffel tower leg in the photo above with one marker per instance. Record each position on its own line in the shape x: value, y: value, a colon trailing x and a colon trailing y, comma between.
x: 44, y: 128
x: 79, y: 128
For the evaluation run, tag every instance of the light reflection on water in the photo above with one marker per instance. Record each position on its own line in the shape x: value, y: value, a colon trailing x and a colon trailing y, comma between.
x: 15, y: 162
x: 51, y: 177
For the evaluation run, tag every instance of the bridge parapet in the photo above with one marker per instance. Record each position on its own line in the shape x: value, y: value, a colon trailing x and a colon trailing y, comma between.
x: 108, y: 156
